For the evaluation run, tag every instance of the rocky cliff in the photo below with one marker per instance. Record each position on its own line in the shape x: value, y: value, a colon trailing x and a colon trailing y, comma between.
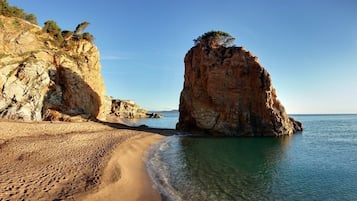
x: 127, y: 109
x: 227, y: 92
x: 42, y: 81
x: 130, y: 110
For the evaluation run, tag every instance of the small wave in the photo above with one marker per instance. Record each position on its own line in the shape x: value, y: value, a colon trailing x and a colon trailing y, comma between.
x: 351, y: 140
x: 159, y: 171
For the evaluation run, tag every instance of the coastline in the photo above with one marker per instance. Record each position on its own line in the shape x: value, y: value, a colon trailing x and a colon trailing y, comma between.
x: 134, y: 183
x: 80, y: 161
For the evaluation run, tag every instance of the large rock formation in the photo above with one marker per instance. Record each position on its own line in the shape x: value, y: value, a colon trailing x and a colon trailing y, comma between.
x: 227, y: 92
x: 42, y: 81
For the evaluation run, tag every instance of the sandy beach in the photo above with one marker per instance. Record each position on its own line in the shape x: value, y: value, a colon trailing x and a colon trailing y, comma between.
x: 75, y: 161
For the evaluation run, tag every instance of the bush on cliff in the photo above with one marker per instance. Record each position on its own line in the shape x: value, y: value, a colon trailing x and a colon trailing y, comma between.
x: 87, y: 36
x: 31, y: 18
x: 13, y: 11
x: 67, y: 35
x: 67, y: 38
x: 214, y: 39
x: 53, y: 29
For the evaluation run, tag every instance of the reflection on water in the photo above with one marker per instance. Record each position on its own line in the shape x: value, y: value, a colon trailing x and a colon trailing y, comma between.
x: 169, y: 120
x: 320, y: 164
x: 224, y: 169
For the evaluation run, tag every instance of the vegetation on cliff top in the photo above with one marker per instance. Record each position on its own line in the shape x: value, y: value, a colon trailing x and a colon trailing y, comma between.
x: 214, y: 39
x: 13, y: 11
x: 64, y: 38
x: 80, y: 27
x: 61, y: 38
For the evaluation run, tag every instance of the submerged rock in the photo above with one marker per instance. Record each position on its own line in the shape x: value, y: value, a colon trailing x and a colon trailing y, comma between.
x: 227, y: 92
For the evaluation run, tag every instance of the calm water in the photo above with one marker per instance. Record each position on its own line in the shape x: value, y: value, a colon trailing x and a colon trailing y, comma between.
x: 169, y: 121
x: 319, y: 164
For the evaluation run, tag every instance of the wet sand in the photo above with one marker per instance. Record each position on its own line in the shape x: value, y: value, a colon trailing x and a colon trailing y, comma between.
x: 75, y: 161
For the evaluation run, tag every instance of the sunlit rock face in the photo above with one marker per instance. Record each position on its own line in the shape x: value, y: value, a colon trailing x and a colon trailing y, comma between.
x: 41, y: 81
x: 127, y: 109
x: 227, y: 92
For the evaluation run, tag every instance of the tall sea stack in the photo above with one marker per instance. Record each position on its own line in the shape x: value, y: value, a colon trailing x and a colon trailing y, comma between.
x: 228, y: 93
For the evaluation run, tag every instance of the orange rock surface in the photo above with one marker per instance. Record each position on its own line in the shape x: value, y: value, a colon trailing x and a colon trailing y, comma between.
x: 227, y: 92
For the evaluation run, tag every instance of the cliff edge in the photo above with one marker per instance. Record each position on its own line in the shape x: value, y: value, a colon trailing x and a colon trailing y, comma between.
x: 40, y: 80
x: 227, y: 92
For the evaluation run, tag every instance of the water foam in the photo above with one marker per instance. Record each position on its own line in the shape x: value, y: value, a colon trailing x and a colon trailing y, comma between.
x: 159, y: 171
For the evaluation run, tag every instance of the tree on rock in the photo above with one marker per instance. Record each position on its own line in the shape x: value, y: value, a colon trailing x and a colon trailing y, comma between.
x: 214, y: 39
x: 80, y: 27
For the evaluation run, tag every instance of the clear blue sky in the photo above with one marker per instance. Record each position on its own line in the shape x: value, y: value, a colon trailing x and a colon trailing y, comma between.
x: 308, y: 46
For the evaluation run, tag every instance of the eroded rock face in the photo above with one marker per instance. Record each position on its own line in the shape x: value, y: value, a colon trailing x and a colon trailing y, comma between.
x: 40, y: 81
x: 227, y: 92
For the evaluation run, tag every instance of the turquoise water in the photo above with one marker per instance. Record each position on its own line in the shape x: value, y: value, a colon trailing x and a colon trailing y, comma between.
x: 319, y: 164
x: 169, y: 121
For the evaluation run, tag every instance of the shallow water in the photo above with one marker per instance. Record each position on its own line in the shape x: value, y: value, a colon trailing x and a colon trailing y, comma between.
x: 319, y: 164
x: 169, y: 120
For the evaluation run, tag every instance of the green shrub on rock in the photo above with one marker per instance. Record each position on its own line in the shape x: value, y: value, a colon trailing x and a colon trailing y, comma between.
x: 13, y: 11
x: 53, y: 29
x: 214, y: 39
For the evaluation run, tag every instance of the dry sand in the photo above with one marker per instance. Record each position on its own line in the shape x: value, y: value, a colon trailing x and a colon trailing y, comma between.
x: 74, y: 161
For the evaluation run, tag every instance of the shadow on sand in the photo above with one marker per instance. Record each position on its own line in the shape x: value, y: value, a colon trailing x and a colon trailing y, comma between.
x: 160, y: 131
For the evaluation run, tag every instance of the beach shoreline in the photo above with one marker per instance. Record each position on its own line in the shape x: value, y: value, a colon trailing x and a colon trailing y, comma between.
x: 75, y: 161
x: 134, y: 183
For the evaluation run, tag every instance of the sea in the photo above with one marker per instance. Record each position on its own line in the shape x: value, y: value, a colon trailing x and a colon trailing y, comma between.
x: 318, y: 164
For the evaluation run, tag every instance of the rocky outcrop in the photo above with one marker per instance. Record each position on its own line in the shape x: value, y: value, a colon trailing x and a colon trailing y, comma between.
x: 130, y: 110
x: 227, y: 92
x: 154, y: 115
x: 127, y: 109
x: 41, y: 81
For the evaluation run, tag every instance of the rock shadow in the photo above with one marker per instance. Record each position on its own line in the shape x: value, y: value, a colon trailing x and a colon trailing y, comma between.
x: 69, y: 97
x: 160, y: 131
